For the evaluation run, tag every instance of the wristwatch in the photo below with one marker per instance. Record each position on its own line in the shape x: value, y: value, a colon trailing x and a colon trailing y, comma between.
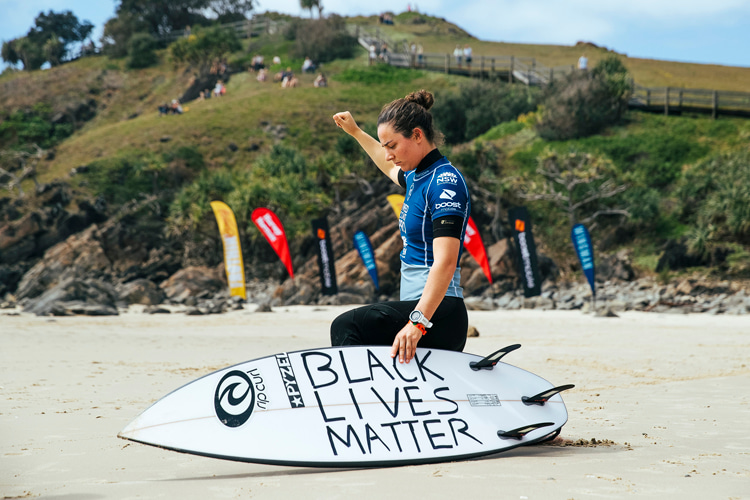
x: 416, y: 317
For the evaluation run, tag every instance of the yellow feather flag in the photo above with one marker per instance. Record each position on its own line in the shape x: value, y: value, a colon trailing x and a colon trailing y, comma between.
x: 396, y: 201
x: 230, y: 237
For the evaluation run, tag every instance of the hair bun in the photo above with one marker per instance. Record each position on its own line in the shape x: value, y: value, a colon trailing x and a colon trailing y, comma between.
x: 421, y: 97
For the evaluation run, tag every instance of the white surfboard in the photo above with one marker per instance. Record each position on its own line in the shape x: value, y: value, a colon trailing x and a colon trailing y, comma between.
x: 355, y: 406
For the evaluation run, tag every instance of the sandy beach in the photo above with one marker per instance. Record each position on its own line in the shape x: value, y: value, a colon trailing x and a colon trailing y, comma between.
x: 660, y: 409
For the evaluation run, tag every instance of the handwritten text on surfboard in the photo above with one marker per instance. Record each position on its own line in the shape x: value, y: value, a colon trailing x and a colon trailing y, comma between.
x: 404, y: 420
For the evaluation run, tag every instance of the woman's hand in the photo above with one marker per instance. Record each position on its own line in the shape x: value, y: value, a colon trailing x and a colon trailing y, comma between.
x: 345, y: 120
x: 405, y: 343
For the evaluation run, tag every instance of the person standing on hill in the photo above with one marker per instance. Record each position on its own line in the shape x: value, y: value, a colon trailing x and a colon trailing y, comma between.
x: 432, y: 223
x: 458, y: 54
x: 583, y: 63
x: 468, y: 55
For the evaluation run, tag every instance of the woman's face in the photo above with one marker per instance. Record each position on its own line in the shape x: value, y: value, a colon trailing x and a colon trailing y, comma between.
x: 405, y: 153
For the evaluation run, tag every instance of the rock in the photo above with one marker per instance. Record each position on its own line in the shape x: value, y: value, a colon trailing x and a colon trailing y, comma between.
x: 77, y: 256
x: 472, y: 331
x: 264, y: 308
x: 676, y: 256
x: 156, y: 310
x: 75, y: 296
x: 479, y: 304
x: 17, y: 239
x: 500, y: 258
x: 617, y: 267
x: 193, y: 282
x: 606, y: 312
x: 10, y: 276
x: 140, y: 291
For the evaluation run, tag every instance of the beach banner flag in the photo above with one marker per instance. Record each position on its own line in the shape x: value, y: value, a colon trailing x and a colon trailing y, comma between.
x: 582, y: 243
x: 230, y: 238
x: 326, y: 261
x: 396, y: 201
x: 474, y: 245
x: 520, y: 225
x: 364, y: 247
x: 271, y: 227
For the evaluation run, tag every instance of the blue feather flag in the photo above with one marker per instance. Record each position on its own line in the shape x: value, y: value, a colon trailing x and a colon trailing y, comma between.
x: 582, y: 243
x: 364, y: 247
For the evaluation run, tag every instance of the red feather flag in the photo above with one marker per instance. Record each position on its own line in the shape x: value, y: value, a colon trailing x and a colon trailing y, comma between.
x: 473, y: 243
x: 271, y: 227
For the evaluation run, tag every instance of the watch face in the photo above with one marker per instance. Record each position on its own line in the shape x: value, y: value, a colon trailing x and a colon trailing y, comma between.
x: 415, y: 316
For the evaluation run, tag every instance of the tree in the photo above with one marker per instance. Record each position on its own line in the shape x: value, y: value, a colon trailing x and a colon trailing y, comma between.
x: 141, y: 51
x: 207, y: 47
x: 160, y: 17
x: 117, y: 33
x: 47, y: 40
x: 578, y: 184
x: 9, y: 53
x: 54, y: 50
x: 231, y: 10
x: 310, y: 4
x: 30, y: 53
x: 61, y: 25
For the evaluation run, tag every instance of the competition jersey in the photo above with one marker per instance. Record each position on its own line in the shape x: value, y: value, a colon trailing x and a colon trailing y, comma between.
x: 434, y: 191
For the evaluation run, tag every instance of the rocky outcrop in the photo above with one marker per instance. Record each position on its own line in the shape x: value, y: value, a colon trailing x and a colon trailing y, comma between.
x: 73, y: 296
x: 645, y: 294
x: 140, y: 291
x: 126, y: 247
x: 197, y: 282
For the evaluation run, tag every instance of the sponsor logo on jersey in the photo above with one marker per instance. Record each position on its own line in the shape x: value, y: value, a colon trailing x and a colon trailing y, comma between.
x: 448, y: 204
x: 447, y: 178
x: 447, y: 194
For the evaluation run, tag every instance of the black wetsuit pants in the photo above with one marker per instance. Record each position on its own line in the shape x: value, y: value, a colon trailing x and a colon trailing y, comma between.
x: 378, y: 324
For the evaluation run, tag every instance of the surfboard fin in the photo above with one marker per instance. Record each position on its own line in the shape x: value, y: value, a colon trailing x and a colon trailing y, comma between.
x: 543, y: 397
x: 522, y: 431
x: 490, y: 361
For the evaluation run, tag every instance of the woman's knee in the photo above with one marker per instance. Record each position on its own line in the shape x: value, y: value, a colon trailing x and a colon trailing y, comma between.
x: 343, y: 330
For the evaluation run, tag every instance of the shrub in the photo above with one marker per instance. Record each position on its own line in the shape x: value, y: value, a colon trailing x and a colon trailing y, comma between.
x: 715, y: 197
x: 323, y: 40
x: 583, y: 104
x: 141, y: 51
x: 33, y: 126
x: 479, y: 106
x: 205, y: 47
x: 121, y: 179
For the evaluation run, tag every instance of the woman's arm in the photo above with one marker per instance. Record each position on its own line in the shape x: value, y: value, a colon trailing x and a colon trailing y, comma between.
x: 445, y: 253
x: 372, y: 147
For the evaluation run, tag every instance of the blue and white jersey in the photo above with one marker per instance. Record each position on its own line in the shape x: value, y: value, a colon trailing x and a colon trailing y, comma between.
x: 432, y: 191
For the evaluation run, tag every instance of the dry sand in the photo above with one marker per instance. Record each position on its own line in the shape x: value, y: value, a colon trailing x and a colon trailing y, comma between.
x: 663, y: 399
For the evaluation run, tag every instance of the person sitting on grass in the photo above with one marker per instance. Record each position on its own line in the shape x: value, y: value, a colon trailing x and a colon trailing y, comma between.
x: 320, y: 81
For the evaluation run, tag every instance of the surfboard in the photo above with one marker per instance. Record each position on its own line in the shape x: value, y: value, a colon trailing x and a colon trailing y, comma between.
x: 355, y: 407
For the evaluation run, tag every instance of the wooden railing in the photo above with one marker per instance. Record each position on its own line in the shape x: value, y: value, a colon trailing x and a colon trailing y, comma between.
x: 526, y: 70
x: 673, y: 100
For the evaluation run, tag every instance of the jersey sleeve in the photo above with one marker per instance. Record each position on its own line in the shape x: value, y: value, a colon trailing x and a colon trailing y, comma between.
x: 447, y: 195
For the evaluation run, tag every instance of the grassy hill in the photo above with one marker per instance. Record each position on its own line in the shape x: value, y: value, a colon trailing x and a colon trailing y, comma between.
x: 235, y: 132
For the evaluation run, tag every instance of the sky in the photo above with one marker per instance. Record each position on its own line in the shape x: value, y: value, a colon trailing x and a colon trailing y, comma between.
x: 702, y: 31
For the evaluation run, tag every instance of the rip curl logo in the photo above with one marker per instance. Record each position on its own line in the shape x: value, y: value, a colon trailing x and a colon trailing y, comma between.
x: 447, y: 178
x: 447, y: 194
x: 234, y: 399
